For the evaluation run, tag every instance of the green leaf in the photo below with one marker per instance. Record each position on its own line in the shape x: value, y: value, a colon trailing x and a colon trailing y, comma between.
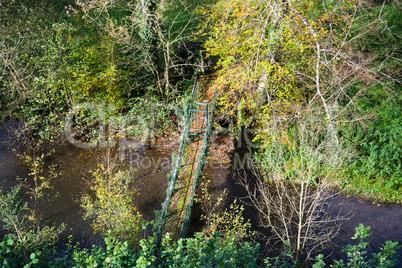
x: 10, y: 242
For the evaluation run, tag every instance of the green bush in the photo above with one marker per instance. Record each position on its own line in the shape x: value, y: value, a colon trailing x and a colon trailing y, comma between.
x: 357, y: 254
x: 199, y: 251
x: 379, y: 148
x: 117, y: 254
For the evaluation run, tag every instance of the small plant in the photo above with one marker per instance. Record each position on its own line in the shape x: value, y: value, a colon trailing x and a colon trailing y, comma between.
x: 230, y: 223
x: 111, y: 206
x: 357, y: 254
x: 29, y: 148
x: 27, y: 238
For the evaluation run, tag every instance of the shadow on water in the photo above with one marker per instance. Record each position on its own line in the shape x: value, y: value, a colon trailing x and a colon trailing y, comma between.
x: 385, y: 220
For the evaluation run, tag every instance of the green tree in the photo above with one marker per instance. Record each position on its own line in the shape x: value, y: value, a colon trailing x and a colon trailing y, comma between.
x: 111, y: 207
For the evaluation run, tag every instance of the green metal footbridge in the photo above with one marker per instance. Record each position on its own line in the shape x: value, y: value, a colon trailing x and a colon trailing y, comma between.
x: 198, y: 119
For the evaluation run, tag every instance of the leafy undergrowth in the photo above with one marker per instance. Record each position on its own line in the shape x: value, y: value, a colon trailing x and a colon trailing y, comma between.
x: 376, y: 171
x: 374, y: 190
x: 370, y: 190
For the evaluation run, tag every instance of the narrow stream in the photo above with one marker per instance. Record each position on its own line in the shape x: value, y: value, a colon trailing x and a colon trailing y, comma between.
x: 153, y: 166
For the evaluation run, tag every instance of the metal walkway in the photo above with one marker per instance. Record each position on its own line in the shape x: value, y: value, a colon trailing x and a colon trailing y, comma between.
x: 197, y: 124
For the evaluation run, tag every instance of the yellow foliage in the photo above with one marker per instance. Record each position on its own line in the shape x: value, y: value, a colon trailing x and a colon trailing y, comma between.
x: 112, y: 208
x: 267, y: 55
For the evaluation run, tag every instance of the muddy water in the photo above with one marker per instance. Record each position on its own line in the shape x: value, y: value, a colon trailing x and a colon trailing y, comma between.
x: 385, y: 220
x: 153, y: 165
x: 62, y: 203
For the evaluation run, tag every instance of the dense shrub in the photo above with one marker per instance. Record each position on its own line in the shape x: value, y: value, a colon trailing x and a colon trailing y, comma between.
x: 380, y: 148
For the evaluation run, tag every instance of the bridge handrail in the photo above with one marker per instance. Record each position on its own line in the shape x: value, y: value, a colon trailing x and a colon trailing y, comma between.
x: 176, y: 168
x: 198, y: 171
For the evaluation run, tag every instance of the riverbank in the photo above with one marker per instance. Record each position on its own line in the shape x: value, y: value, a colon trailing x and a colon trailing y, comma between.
x: 371, y: 191
x: 384, y: 219
x: 154, y: 163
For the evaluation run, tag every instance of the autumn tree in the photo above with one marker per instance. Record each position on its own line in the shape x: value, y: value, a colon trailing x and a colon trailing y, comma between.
x: 282, y: 63
x: 277, y: 58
